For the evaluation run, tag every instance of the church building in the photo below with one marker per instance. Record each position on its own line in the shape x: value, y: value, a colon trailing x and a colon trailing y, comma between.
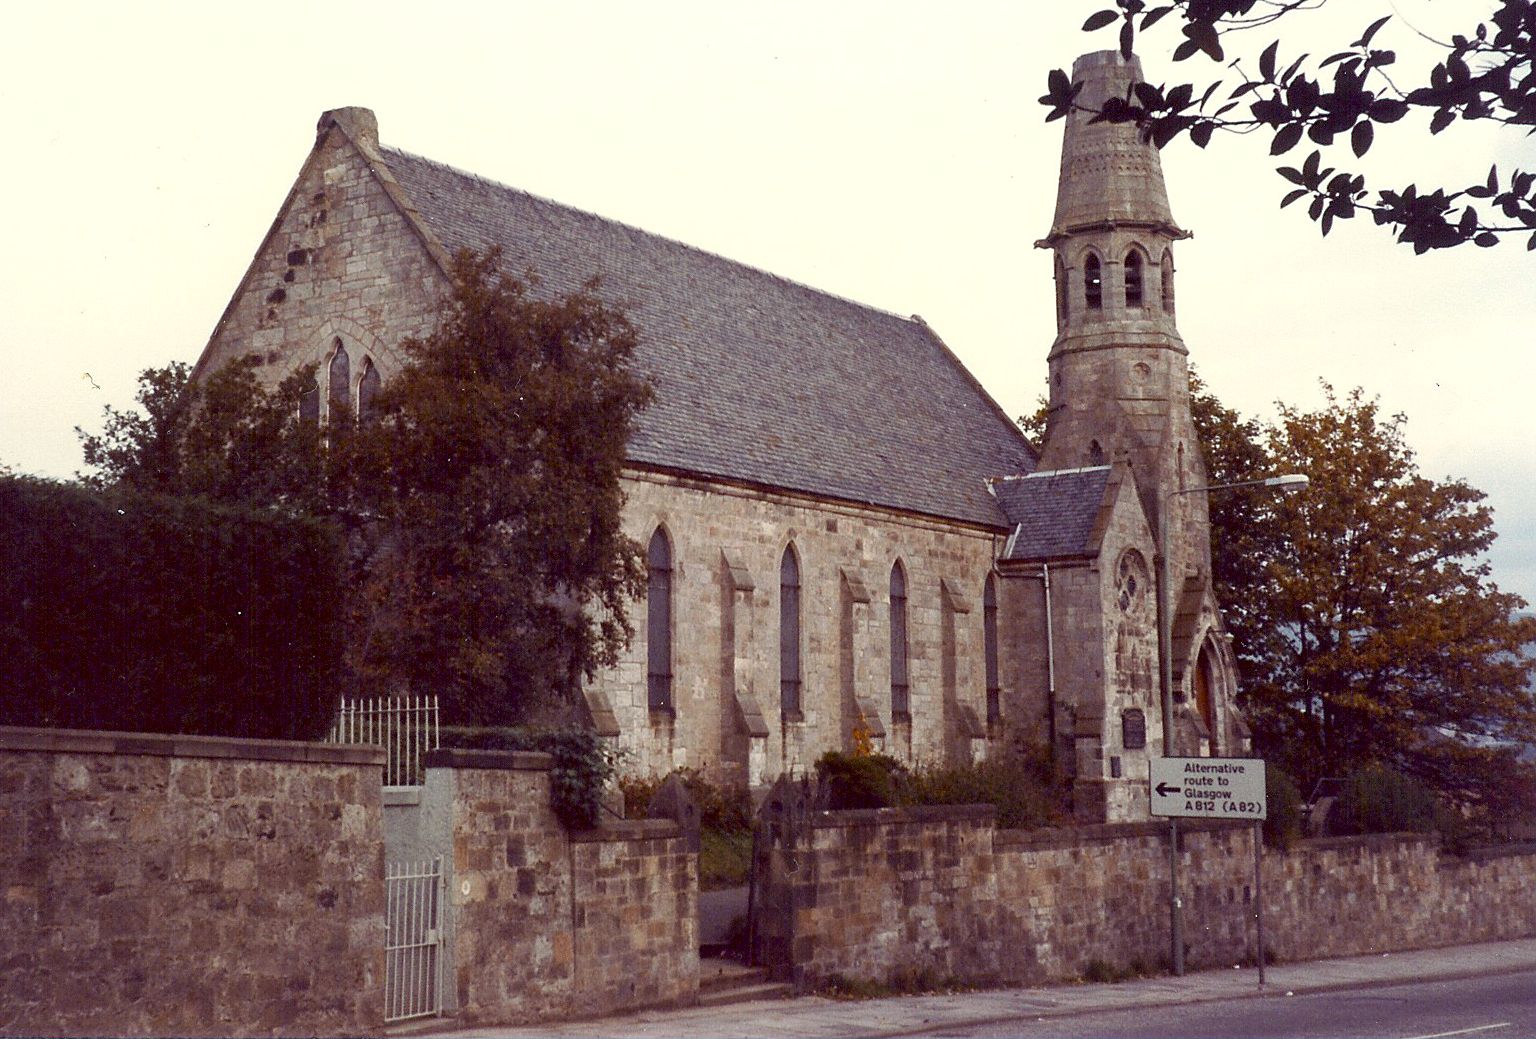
x: 847, y: 539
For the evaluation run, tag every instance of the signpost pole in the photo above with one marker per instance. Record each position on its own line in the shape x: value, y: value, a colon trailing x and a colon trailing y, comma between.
x: 1176, y: 907
x: 1258, y: 893
x: 1206, y: 788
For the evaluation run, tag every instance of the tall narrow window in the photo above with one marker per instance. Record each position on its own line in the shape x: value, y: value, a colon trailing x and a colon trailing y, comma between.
x: 1063, y: 308
x: 1133, y: 282
x: 989, y: 651
x: 309, y: 401
x: 340, y: 379
x: 1167, y: 272
x: 658, y: 622
x: 789, y: 634
x: 901, y: 693
x: 1093, y: 282
x: 367, y: 390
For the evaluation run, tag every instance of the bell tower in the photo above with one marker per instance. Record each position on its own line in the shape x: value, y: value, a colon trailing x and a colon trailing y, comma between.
x: 1119, y: 381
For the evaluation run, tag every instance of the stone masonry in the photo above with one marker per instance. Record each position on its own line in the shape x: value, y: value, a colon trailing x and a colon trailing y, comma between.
x: 189, y: 885
x: 729, y: 543
x: 547, y: 922
x: 877, y: 894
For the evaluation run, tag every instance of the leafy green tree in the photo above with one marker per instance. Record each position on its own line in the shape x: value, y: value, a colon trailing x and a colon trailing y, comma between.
x: 1369, y: 632
x: 481, y: 498
x: 1485, y: 74
x: 228, y: 438
x: 505, y: 577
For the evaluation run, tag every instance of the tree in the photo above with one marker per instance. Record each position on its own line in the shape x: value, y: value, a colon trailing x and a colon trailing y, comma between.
x: 505, y: 577
x: 1367, y: 629
x: 480, y: 498
x: 1485, y: 74
x: 1234, y: 453
x: 228, y: 438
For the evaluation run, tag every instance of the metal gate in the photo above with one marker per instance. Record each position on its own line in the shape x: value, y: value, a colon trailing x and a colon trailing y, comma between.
x: 413, y: 926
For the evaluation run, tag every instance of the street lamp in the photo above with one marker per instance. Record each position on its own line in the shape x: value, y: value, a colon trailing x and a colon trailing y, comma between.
x: 1286, y: 483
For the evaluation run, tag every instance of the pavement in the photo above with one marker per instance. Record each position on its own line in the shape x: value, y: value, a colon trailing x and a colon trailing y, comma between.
x: 813, y: 1017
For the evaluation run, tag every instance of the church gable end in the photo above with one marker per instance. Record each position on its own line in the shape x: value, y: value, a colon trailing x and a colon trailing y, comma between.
x: 344, y: 267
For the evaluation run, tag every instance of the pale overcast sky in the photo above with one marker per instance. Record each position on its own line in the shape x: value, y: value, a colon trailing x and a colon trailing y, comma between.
x: 889, y: 152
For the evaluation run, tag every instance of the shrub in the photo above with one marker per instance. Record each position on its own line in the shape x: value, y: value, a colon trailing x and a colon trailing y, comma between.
x: 1282, y: 827
x: 1379, y: 800
x: 1022, y: 786
x: 147, y: 613
x: 727, y: 807
x: 725, y: 824
x: 860, y: 780
x: 583, y: 764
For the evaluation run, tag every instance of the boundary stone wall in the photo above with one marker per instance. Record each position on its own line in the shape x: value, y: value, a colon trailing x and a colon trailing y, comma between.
x: 939, y: 892
x: 189, y: 885
x: 548, y: 922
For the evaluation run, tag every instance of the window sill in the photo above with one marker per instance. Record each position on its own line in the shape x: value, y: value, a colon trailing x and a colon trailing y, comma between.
x: 792, y: 717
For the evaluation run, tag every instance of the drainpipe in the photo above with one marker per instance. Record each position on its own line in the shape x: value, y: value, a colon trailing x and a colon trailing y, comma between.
x: 1050, y: 656
x: 1050, y: 660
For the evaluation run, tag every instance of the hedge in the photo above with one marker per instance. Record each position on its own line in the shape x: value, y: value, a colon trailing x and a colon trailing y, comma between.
x: 142, y: 613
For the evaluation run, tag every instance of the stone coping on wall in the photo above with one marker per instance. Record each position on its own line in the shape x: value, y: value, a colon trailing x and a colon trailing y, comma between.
x: 905, y: 814
x: 628, y: 830
x: 90, y: 741
x: 1105, y: 833
x: 493, y: 760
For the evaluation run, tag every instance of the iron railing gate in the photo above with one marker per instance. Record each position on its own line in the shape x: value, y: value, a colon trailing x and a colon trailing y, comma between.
x: 405, y: 726
x: 414, y: 926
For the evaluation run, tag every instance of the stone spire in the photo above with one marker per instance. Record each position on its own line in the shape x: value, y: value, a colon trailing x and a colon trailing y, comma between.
x: 1119, y: 382
x: 1108, y: 175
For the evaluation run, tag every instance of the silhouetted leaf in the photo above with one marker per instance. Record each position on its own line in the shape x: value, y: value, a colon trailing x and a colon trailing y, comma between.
x: 1365, y: 38
x: 1360, y: 138
x: 1286, y: 139
x: 1099, y: 19
x: 1267, y: 61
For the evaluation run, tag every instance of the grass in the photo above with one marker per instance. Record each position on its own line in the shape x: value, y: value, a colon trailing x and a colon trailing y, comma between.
x: 725, y: 858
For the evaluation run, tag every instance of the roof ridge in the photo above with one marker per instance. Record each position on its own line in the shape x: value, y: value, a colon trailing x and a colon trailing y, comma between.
x: 1061, y: 472
x: 911, y: 319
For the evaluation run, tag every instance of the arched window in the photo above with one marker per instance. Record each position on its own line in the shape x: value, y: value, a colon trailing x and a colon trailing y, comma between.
x: 1133, y: 281
x: 789, y: 633
x: 367, y: 390
x: 1063, y: 306
x: 309, y: 401
x: 1205, y: 693
x: 989, y: 650
x: 901, y: 693
x: 1093, y: 282
x: 340, y: 378
x: 658, y: 622
x: 1167, y: 272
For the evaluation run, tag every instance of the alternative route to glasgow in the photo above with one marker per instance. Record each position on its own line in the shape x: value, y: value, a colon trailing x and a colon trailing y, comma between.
x: 1208, y: 788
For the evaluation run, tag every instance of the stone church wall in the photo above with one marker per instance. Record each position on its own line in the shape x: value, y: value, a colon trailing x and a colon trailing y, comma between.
x: 339, y: 262
x: 879, y: 894
x: 726, y: 637
x: 180, y: 885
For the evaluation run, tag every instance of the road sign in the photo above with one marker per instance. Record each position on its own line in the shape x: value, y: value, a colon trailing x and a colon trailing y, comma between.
x: 1208, y: 788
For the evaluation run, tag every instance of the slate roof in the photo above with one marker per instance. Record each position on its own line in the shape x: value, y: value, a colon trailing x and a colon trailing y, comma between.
x: 758, y: 379
x: 1053, y: 513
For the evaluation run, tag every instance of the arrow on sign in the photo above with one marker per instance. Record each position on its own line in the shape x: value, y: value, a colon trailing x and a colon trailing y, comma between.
x: 1164, y: 790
